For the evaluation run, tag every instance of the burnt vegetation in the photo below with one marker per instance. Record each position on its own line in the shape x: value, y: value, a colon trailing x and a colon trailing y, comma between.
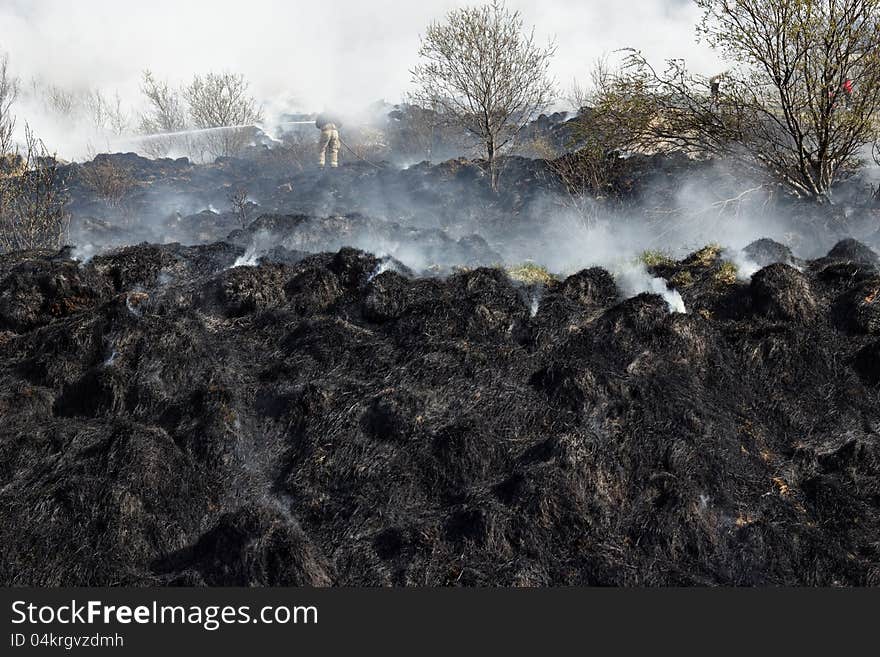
x: 334, y: 419
x: 532, y: 368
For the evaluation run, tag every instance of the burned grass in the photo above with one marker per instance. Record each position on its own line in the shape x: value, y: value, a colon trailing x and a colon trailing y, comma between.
x: 326, y: 420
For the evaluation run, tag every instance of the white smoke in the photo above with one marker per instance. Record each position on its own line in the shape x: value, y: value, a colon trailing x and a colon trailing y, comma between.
x: 260, y: 245
x: 84, y: 252
x: 386, y: 264
x: 635, y: 279
x: 535, y: 303
x: 340, y: 54
x: 745, y: 266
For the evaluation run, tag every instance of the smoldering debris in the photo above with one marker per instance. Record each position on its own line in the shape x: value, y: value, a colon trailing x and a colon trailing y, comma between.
x: 393, y: 377
x: 395, y: 212
x: 329, y: 420
x: 634, y: 279
x: 424, y: 250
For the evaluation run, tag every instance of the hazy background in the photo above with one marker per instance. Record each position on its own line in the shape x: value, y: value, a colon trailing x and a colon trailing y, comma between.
x: 343, y: 55
x: 306, y: 55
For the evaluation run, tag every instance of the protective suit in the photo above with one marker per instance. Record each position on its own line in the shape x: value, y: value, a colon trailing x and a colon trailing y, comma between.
x: 329, y: 139
x: 715, y: 85
x: 847, y: 88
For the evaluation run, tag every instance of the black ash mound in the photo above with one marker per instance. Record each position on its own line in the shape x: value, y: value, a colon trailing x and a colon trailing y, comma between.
x: 330, y: 420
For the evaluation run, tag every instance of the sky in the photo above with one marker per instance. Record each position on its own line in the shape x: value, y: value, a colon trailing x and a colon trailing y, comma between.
x: 308, y: 55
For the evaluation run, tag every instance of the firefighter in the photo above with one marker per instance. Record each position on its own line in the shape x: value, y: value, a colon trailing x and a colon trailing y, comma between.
x: 847, y: 88
x: 329, y: 127
x: 715, y: 86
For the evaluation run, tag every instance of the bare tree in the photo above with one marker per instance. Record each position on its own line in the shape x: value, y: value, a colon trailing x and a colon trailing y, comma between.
x: 8, y: 94
x: 582, y: 96
x: 106, y: 115
x: 481, y: 69
x: 107, y: 181
x: 165, y: 111
x: 163, y: 120
x: 238, y: 199
x: 800, y: 101
x: 33, y: 203
x: 57, y: 99
x: 221, y: 100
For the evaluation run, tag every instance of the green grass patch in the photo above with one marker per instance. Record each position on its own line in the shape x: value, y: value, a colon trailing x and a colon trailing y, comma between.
x: 726, y: 274
x: 705, y: 256
x: 655, y: 259
x: 531, y: 274
x: 682, y: 279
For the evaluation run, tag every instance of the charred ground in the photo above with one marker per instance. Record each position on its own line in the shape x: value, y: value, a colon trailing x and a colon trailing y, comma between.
x: 331, y: 419
x: 255, y: 402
